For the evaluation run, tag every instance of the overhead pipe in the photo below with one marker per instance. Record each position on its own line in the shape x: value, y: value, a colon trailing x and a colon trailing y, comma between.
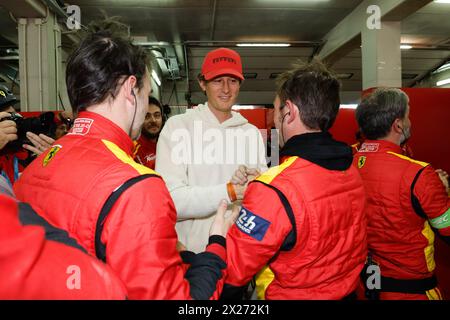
x: 56, y: 8
x: 213, y: 21
x: 37, y: 6
x: 224, y: 42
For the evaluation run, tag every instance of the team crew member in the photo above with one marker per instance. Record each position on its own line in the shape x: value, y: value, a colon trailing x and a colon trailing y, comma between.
x: 11, y: 154
x: 32, y: 267
x: 146, y: 144
x: 89, y: 185
x: 303, y: 218
x: 198, y: 152
x: 406, y: 200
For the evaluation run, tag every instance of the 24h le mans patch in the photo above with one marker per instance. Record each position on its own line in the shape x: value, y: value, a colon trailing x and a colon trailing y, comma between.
x: 252, y: 224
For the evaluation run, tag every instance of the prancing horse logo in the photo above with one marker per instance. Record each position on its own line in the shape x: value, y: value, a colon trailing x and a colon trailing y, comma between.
x: 51, y: 154
x: 361, y: 161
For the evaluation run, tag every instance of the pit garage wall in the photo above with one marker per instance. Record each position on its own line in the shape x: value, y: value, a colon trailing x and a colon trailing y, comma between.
x: 430, y: 119
x: 429, y: 114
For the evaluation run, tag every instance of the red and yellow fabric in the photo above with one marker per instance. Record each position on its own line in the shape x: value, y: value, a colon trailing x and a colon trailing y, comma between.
x: 32, y: 267
x: 68, y: 186
x: 323, y: 263
x: 145, y: 152
x: 401, y: 241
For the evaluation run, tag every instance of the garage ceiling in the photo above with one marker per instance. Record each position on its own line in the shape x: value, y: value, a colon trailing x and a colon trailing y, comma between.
x: 194, y: 27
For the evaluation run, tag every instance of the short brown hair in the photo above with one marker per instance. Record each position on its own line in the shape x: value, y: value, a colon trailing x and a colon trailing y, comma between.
x: 314, y: 89
x: 97, y: 67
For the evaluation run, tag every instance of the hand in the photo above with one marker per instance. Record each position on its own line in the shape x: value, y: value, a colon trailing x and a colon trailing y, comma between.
x: 240, y: 179
x: 444, y: 178
x: 221, y: 222
x: 40, y: 143
x: 244, y: 175
x: 180, y: 247
x: 8, y: 130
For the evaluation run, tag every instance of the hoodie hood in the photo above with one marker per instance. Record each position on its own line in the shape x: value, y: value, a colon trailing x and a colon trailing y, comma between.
x: 203, y: 112
x: 319, y: 148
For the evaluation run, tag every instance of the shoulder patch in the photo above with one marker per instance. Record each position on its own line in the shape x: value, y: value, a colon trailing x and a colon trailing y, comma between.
x: 51, y: 154
x: 369, y: 147
x: 361, y: 161
x: 423, y: 164
x: 273, y: 172
x: 125, y: 158
x: 252, y: 224
x: 81, y: 126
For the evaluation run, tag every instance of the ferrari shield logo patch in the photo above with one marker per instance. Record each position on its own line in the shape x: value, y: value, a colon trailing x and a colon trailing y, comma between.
x: 361, y: 161
x: 51, y: 154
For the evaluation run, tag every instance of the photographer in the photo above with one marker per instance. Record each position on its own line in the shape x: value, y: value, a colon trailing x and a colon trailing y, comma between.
x: 9, y: 158
x: 18, y: 135
x: 41, y: 142
x: 8, y: 130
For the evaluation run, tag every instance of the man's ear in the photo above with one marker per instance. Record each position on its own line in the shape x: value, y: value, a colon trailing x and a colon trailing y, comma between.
x: 202, y: 84
x: 129, y: 86
x: 293, y: 111
x: 397, y: 126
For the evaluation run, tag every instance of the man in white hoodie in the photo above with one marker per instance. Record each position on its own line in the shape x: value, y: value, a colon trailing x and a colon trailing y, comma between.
x: 199, y: 151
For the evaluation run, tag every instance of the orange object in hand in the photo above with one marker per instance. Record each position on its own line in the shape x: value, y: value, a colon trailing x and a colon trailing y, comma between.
x: 231, y: 192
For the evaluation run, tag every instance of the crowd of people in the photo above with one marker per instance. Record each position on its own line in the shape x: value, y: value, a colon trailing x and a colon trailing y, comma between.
x: 154, y: 208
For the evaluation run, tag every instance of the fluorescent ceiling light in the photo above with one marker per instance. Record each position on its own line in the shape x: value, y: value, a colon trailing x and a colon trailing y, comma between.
x: 348, y: 106
x: 405, y: 47
x: 443, y: 82
x: 297, y: 1
x: 442, y: 1
x: 263, y: 44
x: 156, y: 78
x: 152, y: 43
x: 443, y: 68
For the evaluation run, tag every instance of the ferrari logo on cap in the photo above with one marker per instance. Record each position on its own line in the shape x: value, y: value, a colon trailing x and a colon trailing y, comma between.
x: 361, y: 161
x: 2, y: 93
x: 51, y: 154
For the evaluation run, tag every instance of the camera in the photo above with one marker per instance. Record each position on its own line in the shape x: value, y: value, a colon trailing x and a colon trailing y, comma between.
x: 45, y: 123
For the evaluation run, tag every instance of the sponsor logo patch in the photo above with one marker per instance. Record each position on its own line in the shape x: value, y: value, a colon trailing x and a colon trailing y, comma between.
x: 369, y: 147
x: 51, y: 154
x: 81, y: 126
x: 252, y: 225
x: 441, y: 222
x: 361, y: 161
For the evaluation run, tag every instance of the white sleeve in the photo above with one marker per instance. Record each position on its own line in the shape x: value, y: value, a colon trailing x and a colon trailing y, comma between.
x: 262, y: 163
x: 190, y: 201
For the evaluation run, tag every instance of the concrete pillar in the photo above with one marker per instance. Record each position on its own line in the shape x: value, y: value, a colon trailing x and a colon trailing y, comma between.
x: 381, y: 56
x: 40, y: 63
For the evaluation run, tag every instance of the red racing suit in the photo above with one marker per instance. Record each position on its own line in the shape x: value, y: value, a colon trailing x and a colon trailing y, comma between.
x: 304, y: 219
x: 10, y: 164
x: 406, y: 200
x: 69, y: 184
x: 32, y: 267
x: 146, y: 152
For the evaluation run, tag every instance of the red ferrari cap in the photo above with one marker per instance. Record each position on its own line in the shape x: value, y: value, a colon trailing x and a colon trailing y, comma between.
x: 222, y: 61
